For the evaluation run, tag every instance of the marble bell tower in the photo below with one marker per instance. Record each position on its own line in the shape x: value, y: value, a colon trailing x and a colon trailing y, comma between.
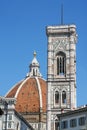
x: 61, y: 71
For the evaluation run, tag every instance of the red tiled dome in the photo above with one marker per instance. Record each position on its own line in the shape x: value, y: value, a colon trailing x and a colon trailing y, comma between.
x: 30, y: 93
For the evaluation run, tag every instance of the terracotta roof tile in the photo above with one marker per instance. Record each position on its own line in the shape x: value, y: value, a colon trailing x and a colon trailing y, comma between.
x: 28, y: 99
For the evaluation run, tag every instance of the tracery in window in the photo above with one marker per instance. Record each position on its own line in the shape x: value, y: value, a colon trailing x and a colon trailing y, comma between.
x: 56, y: 97
x: 63, y: 97
x: 61, y: 65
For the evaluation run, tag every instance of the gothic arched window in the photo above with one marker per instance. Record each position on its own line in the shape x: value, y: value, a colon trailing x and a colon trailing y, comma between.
x: 56, y: 97
x: 61, y: 63
x: 63, y: 97
x: 56, y: 124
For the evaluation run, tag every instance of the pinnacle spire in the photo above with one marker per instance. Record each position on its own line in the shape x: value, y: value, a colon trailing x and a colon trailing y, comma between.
x: 34, y: 67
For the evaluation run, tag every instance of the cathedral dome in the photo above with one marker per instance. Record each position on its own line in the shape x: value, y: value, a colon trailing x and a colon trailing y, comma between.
x: 30, y: 93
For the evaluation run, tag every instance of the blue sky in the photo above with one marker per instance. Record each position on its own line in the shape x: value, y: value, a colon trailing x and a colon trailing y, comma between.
x: 23, y: 30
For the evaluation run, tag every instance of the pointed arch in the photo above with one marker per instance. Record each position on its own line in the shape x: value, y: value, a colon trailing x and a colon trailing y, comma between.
x: 61, y: 63
x: 56, y: 97
x: 64, y: 97
x: 56, y: 123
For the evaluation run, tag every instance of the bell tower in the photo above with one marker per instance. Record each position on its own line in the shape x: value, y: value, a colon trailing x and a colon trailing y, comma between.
x: 61, y: 71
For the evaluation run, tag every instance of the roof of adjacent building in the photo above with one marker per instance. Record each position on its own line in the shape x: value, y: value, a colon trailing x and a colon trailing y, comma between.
x: 74, y: 111
x: 23, y: 119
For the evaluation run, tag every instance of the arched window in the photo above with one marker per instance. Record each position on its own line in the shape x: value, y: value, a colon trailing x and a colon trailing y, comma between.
x: 61, y: 63
x: 56, y: 97
x: 33, y: 72
x: 56, y: 124
x: 63, y: 97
